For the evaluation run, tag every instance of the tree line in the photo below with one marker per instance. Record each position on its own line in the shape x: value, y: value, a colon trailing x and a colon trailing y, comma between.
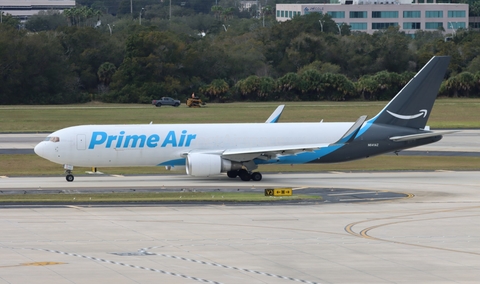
x: 86, y: 54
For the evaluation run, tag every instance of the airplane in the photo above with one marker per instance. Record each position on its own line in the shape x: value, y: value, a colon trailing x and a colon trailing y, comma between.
x: 237, y: 149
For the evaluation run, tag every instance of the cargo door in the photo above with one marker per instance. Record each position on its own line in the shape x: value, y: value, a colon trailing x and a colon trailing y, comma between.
x: 81, y: 142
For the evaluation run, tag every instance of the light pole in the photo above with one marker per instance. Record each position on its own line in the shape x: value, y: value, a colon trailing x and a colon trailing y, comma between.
x: 131, y: 6
x: 110, y: 28
x: 453, y: 28
x: 141, y: 16
x: 321, y: 24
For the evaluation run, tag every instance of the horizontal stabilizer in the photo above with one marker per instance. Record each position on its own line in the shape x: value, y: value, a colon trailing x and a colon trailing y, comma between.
x: 421, y: 135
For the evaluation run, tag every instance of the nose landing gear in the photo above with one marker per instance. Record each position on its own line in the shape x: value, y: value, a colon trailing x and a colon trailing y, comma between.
x: 68, y: 171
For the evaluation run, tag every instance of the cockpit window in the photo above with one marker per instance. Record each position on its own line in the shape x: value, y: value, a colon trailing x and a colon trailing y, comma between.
x: 53, y: 139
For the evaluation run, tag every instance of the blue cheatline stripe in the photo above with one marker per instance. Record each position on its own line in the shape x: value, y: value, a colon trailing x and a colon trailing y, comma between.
x: 301, y: 158
x: 173, y: 163
x: 366, y: 126
x: 276, y: 119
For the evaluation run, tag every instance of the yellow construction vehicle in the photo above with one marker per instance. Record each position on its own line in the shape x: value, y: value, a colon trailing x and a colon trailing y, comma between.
x: 195, y: 102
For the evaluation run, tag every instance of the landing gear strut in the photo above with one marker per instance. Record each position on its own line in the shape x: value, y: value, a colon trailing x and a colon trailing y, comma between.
x: 68, y: 171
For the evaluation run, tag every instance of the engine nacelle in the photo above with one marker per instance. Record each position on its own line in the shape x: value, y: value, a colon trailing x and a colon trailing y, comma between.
x: 204, y: 165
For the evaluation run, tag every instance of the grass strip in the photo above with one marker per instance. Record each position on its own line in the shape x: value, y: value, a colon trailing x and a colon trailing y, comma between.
x: 156, y: 197
x: 447, y: 113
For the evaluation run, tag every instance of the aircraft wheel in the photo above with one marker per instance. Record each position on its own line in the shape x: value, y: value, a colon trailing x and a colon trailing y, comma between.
x: 232, y: 174
x: 69, y: 178
x: 244, y: 175
x: 256, y: 176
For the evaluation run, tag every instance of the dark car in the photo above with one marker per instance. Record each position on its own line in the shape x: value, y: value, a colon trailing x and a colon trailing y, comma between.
x: 166, y: 101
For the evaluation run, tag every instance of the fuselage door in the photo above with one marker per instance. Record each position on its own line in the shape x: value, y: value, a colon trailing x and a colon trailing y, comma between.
x: 81, y: 142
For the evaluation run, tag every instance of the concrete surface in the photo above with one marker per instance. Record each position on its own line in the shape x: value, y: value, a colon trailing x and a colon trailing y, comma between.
x: 433, y: 237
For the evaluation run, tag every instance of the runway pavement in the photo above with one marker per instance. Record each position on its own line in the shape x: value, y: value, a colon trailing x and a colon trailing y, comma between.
x: 431, y: 237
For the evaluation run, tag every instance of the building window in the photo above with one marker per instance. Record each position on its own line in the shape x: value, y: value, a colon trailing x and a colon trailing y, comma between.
x: 411, y: 14
x: 411, y: 26
x: 433, y: 25
x: 336, y: 15
x: 278, y: 13
x: 282, y: 13
x: 474, y: 25
x: 456, y: 25
x: 358, y: 26
x: 433, y: 14
x: 385, y: 14
x: 358, y: 15
x: 456, y: 14
x: 381, y: 26
x: 290, y: 14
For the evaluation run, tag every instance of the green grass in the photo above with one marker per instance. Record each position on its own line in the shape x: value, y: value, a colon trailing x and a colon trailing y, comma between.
x: 447, y: 113
x: 92, y: 198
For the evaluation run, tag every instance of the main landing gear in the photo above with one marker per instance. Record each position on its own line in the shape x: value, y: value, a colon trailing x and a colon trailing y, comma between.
x: 68, y: 171
x: 245, y: 175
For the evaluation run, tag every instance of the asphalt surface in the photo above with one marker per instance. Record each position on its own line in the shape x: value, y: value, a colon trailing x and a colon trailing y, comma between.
x: 430, y: 236
x: 387, y: 227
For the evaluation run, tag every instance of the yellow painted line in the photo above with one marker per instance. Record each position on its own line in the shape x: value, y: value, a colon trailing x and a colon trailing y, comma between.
x: 118, y: 176
x: 3, y: 177
x: 42, y: 263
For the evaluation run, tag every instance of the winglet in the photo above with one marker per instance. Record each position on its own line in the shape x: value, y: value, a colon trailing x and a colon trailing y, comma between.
x: 352, y: 132
x: 275, y: 116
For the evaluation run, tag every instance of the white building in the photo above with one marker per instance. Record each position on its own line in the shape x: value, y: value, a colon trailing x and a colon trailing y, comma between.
x: 23, y: 9
x: 372, y: 15
x: 245, y: 5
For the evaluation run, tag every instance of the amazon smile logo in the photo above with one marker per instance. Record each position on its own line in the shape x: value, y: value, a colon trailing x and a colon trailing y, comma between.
x: 407, y: 117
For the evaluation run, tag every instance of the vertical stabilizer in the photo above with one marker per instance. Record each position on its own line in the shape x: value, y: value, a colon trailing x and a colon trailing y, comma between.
x: 411, y: 107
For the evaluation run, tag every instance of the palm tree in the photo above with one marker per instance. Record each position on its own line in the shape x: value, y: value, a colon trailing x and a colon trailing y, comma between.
x: 217, y: 10
x: 228, y: 13
x: 216, y: 89
x: 68, y: 13
x: 105, y: 73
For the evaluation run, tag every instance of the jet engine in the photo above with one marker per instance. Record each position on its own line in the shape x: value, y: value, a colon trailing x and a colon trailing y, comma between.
x: 203, y: 165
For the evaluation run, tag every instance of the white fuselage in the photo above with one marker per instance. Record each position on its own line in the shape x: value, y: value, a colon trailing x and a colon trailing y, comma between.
x: 168, y: 144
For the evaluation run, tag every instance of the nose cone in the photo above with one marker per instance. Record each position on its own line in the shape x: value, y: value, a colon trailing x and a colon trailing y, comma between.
x: 40, y: 149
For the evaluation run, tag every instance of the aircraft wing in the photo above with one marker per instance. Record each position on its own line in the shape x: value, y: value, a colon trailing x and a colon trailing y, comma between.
x: 269, y: 152
x: 241, y: 155
x: 421, y: 135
